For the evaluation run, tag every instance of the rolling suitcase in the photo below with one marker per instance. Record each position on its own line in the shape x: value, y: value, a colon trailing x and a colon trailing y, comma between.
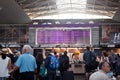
x: 68, y: 75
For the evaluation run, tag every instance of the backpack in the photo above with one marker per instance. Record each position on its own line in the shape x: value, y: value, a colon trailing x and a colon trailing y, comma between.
x: 54, y: 63
x: 93, y: 63
x: 43, y: 71
x: 64, y: 63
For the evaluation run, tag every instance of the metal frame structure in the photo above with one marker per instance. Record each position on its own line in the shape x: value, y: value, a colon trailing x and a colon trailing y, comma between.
x: 36, y: 8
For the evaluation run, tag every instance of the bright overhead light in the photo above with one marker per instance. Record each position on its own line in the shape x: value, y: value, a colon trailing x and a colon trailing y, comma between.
x: 74, y: 16
x: 71, y: 4
x: 73, y: 9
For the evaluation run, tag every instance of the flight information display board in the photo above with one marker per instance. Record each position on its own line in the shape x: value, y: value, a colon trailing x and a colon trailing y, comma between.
x: 77, y: 36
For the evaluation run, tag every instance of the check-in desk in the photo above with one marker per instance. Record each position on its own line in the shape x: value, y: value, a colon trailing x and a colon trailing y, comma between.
x: 78, y: 68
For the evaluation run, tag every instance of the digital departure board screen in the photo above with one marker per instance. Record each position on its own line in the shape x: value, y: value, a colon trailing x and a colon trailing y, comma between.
x: 77, y: 36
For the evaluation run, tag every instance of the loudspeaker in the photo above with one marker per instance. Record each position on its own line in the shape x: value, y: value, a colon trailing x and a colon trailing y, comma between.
x: 116, y: 16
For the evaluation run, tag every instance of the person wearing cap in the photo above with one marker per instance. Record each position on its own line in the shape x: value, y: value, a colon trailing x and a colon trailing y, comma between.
x: 5, y: 66
x: 26, y: 64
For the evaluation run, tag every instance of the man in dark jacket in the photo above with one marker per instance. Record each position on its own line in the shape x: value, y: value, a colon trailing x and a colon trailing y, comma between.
x: 87, y: 57
x: 64, y: 63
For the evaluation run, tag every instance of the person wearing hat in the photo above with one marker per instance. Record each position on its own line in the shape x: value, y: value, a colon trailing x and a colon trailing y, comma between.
x: 5, y: 67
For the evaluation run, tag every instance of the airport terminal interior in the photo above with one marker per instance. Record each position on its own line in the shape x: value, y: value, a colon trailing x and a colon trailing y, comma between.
x: 61, y: 25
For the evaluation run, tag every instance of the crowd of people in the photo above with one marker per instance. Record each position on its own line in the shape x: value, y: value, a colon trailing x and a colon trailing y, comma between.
x: 25, y: 66
x: 102, y: 67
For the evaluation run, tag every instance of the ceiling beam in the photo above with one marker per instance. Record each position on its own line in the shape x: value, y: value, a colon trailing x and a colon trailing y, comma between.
x: 98, y: 12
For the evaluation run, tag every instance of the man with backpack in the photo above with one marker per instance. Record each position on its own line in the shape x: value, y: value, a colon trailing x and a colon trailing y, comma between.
x: 64, y: 63
x: 52, y: 64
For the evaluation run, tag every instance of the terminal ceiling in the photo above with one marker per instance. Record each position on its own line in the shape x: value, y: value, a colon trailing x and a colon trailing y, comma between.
x: 39, y: 8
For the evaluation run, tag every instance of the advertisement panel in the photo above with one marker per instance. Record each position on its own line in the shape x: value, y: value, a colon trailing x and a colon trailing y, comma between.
x: 13, y: 34
x: 110, y: 34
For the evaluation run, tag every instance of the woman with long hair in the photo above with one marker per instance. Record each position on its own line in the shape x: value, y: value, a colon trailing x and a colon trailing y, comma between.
x: 39, y: 60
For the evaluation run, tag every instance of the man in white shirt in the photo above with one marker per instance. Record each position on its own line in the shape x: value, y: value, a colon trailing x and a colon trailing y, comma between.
x: 102, y: 73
